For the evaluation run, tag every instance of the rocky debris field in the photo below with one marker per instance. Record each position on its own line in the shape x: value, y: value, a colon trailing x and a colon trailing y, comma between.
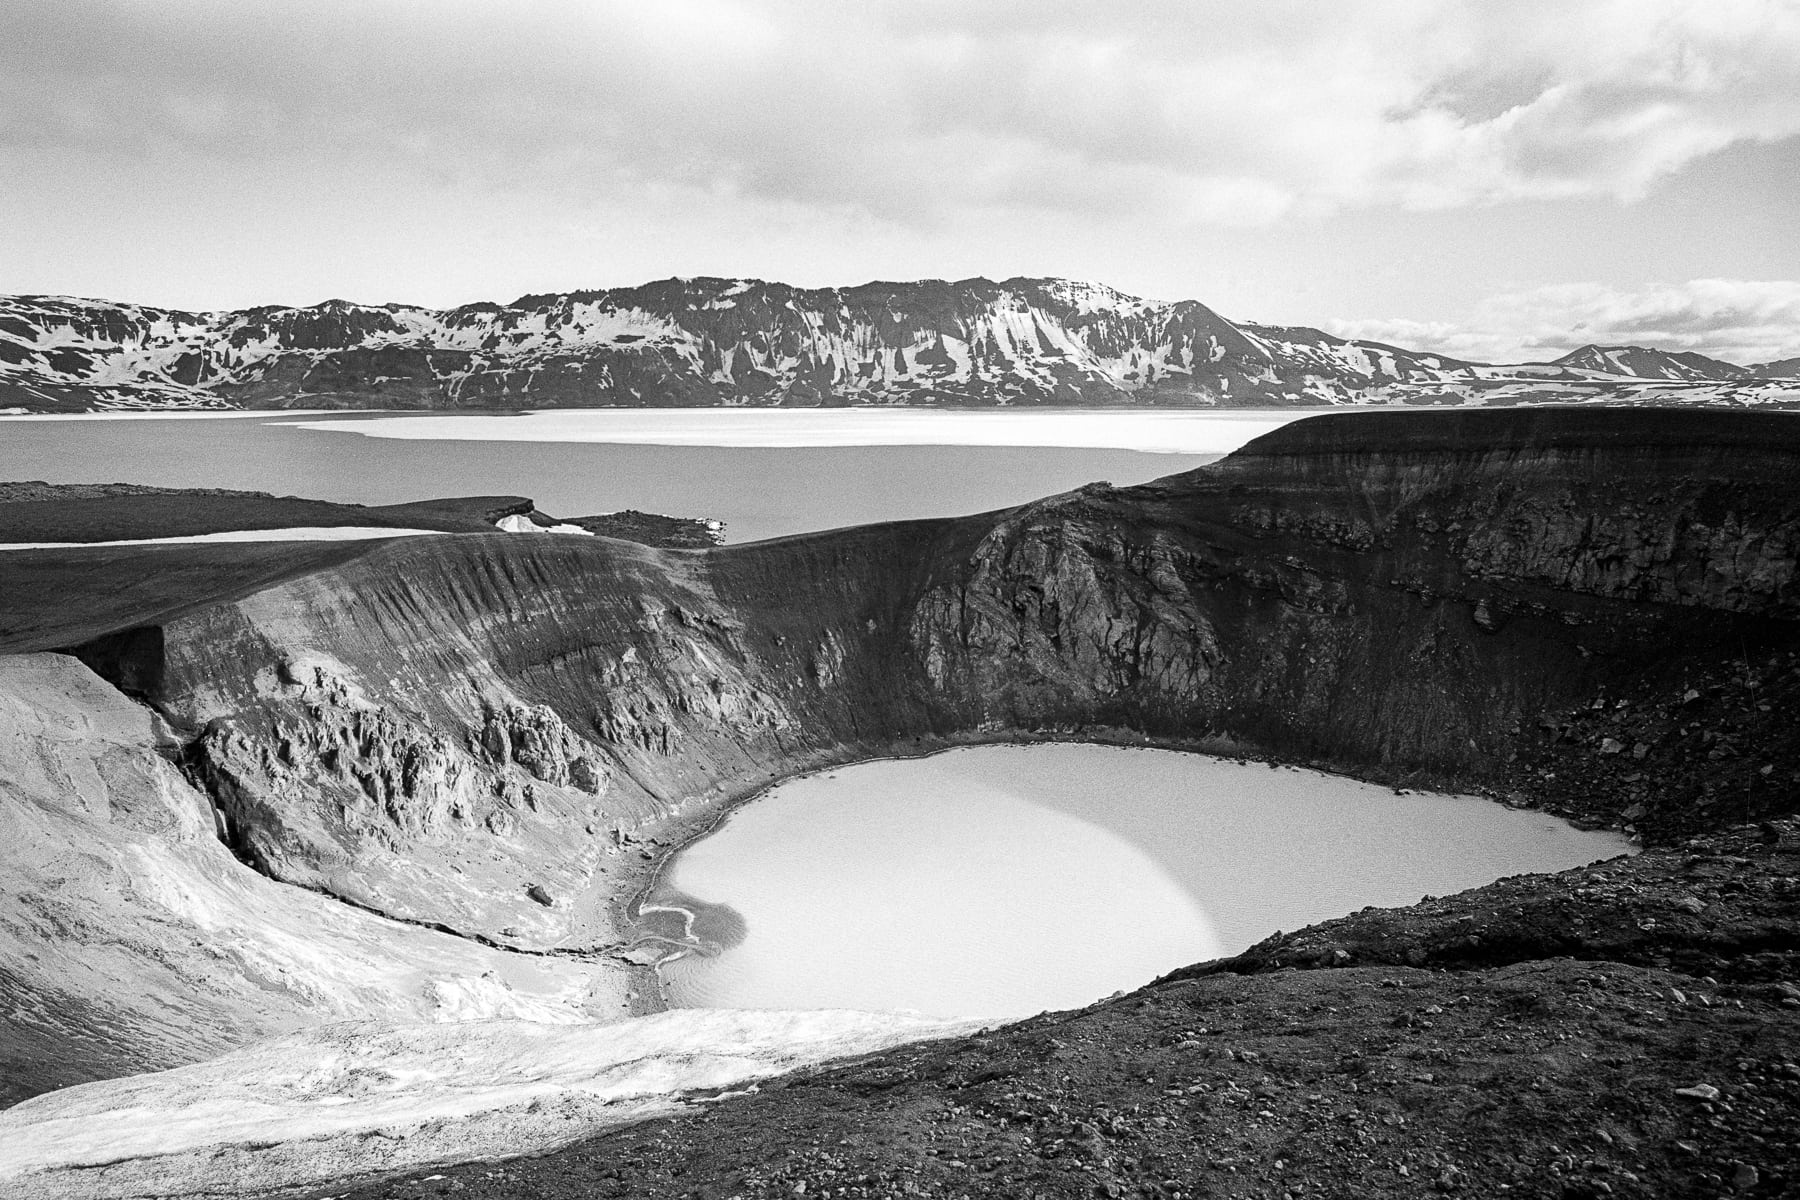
x: 1627, y: 1029
x: 1666, y: 760
x: 1725, y: 907
x: 653, y: 529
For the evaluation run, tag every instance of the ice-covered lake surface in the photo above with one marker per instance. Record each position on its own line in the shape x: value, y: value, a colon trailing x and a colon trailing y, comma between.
x: 1163, y: 431
x: 1007, y: 880
x: 764, y: 473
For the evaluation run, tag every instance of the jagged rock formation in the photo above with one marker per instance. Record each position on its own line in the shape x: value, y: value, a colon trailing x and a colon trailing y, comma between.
x: 702, y: 342
x: 321, y: 783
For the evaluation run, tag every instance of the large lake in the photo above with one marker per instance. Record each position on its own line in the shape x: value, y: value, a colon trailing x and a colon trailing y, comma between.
x: 1007, y: 880
x: 763, y: 473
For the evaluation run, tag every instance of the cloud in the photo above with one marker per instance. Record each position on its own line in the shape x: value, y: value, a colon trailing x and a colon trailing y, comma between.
x: 1437, y: 337
x: 1197, y: 111
x: 1741, y: 321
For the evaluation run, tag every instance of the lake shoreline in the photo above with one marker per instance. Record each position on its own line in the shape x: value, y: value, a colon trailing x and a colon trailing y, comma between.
x: 639, y: 886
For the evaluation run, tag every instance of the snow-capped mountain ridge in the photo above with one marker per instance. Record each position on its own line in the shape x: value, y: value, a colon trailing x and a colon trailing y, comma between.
x: 711, y: 341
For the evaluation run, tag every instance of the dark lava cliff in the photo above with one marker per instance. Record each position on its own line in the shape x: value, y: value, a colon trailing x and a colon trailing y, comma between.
x: 1589, y: 611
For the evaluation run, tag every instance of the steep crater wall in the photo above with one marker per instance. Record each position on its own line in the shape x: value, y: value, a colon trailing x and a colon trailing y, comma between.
x: 436, y: 727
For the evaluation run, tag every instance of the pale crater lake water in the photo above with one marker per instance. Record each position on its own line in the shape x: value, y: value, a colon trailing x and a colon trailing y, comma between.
x: 1001, y: 881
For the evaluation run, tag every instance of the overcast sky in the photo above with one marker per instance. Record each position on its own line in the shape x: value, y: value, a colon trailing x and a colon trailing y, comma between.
x: 1503, y: 178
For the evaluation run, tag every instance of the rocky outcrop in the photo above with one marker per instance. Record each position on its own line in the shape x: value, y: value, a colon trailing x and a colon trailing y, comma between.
x: 1055, y: 608
x: 675, y: 533
x: 383, y: 769
x: 1718, y: 906
x: 318, y: 783
x: 538, y: 742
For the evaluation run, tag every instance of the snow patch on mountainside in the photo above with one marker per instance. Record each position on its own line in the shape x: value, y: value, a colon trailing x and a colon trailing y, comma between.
x: 709, y: 342
x: 1644, y: 362
x: 687, y: 342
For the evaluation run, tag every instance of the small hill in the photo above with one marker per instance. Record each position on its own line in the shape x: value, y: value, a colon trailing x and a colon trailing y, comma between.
x: 1647, y: 362
x: 1781, y: 368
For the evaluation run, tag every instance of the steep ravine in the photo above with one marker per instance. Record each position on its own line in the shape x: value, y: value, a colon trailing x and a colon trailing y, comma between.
x: 1589, y: 611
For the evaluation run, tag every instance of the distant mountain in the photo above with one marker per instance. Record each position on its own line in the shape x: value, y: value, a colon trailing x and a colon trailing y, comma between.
x: 742, y: 342
x: 1783, y: 368
x: 690, y: 342
x: 1645, y: 362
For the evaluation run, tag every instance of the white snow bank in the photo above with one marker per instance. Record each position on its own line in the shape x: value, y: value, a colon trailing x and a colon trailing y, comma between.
x: 523, y: 524
x: 164, y: 414
x: 1158, y: 431
x: 297, y: 533
x: 343, y: 1099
